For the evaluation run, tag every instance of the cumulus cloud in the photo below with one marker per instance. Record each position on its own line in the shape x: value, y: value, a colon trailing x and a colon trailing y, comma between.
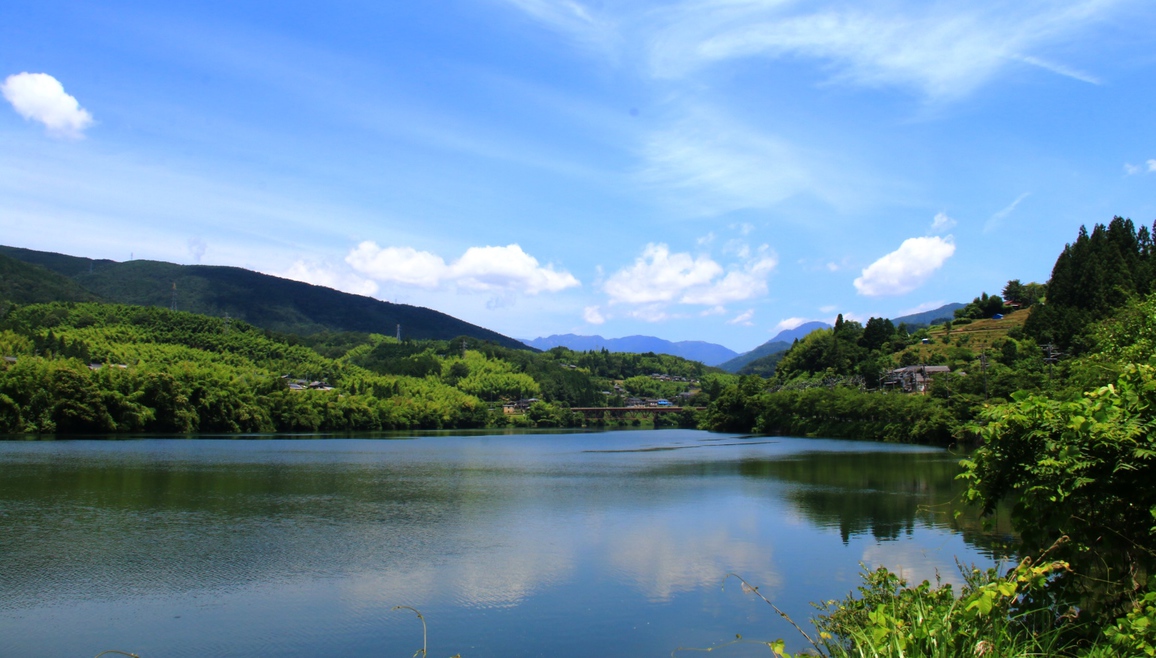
x: 40, y: 97
x: 508, y: 268
x: 661, y: 277
x: 491, y: 269
x: 1151, y: 165
x: 942, y: 223
x: 323, y: 274
x: 404, y: 265
x: 906, y: 268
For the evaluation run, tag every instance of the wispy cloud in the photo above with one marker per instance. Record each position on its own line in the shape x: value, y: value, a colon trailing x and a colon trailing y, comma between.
x: 997, y: 218
x: 744, y: 318
x: 942, y: 223
x: 789, y: 323
x: 712, y: 163
x: 942, y: 50
x: 1060, y: 69
x: 593, y: 315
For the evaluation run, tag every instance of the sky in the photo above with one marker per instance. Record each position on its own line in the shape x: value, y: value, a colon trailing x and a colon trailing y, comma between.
x: 712, y: 170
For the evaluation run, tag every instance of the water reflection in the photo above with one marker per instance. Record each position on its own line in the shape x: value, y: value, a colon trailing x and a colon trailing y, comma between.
x: 298, y: 547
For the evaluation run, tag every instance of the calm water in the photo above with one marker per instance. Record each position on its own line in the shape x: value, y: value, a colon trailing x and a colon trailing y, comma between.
x: 607, y: 544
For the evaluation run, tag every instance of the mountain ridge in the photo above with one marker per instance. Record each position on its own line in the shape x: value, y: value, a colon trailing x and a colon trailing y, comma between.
x: 710, y: 354
x: 263, y: 300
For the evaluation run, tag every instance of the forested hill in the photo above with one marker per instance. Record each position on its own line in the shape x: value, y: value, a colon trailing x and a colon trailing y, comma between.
x: 26, y: 283
x: 94, y: 368
x: 265, y: 301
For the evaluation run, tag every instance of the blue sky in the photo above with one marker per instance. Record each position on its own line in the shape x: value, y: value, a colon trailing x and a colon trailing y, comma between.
x: 710, y: 170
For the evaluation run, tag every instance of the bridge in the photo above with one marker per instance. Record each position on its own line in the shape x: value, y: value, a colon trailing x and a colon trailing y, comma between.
x: 626, y: 413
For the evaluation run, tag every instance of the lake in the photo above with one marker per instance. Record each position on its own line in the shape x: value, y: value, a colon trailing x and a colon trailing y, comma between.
x: 563, y: 544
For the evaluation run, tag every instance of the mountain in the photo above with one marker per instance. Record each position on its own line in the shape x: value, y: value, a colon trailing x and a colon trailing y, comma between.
x: 798, y: 333
x: 927, y: 318
x: 696, y: 350
x: 262, y: 300
x: 26, y: 283
x: 780, y: 343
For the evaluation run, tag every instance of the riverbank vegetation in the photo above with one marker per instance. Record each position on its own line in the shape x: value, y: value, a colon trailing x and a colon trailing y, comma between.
x: 1064, y: 416
x: 100, y: 368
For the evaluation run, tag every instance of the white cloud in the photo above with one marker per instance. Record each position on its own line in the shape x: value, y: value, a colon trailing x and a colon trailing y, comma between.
x: 573, y: 19
x: 593, y: 315
x: 944, y: 50
x: 743, y: 318
x: 1131, y: 169
x: 712, y: 164
x: 404, y: 265
x: 789, y: 323
x: 508, y: 268
x: 830, y: 308
x: 661, y: 277
x: 650, y: 313
x: 1060, y: 69
x: 40, y: 97
x: 996, y: 219
x: 495, y: 269
x: 925, y: 306
x: 1151, y: 165
x: 942, y: 223
x: 705, y: 240
x: 906, y: 268
x: 321, y: 274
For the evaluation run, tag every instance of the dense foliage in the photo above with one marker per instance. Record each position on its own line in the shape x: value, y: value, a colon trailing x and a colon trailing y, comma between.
x: 1092, y: 277
x: 99, y: 368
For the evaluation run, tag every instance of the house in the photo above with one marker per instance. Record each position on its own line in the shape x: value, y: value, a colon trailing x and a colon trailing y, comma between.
x: 913, y: 379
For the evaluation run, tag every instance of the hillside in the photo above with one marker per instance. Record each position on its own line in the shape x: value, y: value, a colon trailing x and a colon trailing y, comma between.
x: 780, y: 343
x: 26, y: 283
x: 263, y: 300
x: 977, y: 337
x: 706, y: 353
x: 97, y: 367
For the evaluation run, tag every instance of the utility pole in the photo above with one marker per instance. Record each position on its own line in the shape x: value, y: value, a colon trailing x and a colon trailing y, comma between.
x: 983, y: 366
x: 399, y: 333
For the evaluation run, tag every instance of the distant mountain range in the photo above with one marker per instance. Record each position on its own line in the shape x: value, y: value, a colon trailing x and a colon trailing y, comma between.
x: 706, y: 353
x: 780, y: 343
x: 928, y: 318
x: 745, y: 363
x: 712, y: 354
x: 266, y: 301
